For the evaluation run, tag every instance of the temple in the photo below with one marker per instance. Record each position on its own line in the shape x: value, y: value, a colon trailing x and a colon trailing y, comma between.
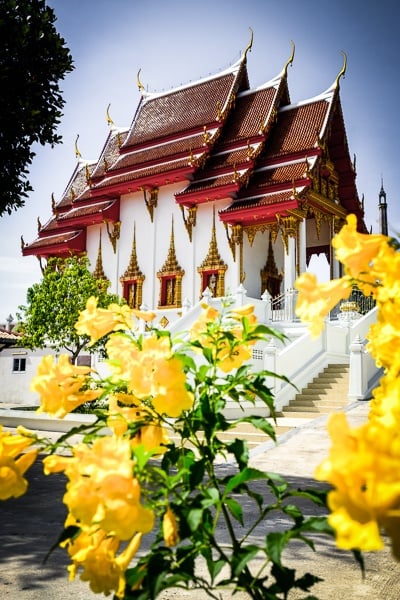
x: 215, y: 184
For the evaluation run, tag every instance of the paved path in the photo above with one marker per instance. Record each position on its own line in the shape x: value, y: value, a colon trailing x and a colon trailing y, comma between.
x: 31, y: 524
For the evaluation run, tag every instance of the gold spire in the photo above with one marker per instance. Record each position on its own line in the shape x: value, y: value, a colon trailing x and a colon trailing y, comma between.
x: 139, y: 83
x: 171, y: 264
x: 98, y: 273
x: 110, y: 122
x: 213, y: 258
x: 290, y: 59
x: 342, y: 70
x: 77, y: 153
x: 133, y: 271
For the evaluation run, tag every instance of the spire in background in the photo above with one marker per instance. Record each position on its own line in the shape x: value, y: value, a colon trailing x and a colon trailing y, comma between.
x: 383, y: 221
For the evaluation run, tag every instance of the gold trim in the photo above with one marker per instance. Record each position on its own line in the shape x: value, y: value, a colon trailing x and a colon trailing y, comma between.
x: 342, y: 71
x: 139, y: 83
x: 189, y: 220
x: 98, y: 272
x: 110, y: 122
x: 151, y: 201
x: 213, y: 264
x: 114, y: 234
x: 170, y: 277
x: 77, y: 153
x: 328, y: 205
x: 290, y: 59
x: 249, y: 45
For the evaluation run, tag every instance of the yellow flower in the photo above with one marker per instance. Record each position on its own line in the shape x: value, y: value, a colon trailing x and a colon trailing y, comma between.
x: 59, y: 385
x: 315, y: 300
x: 102, y: 489
x: 170, y: 528
x: 385, y: 403
x: 98, y: 322
x: 362, y: 467
x: 151, y: 435
x: 94, y: 552
x: 12, y: 467
x: 232, y: 355
x: 151, y: 372
x: 199, y: 330
x: 356, y: 250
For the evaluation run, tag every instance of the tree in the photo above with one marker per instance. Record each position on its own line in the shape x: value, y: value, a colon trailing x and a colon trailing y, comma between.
x: 54, y: 304
x: 33, y: 59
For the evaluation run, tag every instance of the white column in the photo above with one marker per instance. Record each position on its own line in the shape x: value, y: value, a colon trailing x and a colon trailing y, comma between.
x: 290, y: 264
x: 358, y: 373
x: 302, y: 247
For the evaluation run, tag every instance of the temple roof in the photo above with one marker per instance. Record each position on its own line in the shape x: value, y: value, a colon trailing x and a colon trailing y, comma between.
x: 221, y: 140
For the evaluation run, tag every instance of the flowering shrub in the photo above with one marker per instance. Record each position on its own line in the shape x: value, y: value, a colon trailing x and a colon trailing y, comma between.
x: 145, y: 492
x: 363, y: 464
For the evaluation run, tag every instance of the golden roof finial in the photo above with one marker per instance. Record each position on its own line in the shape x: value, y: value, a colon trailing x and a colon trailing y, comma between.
x: 249, y: 45
x: 77, y: 153
x: 139, y: 83
x: 110, y: 122
x: 290, y: 59
x: 342, y: 71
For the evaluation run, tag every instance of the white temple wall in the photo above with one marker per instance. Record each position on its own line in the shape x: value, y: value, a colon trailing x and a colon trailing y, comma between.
x: 153, y: 239
x: 254, y: 259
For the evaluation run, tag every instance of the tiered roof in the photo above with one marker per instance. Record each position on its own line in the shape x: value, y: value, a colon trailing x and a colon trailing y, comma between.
x: 221, y: 140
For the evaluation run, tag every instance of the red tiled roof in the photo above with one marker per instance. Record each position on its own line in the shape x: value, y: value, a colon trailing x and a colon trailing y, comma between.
x: 251, y: 110
x: 8, y: 337
x: 55, y: 244
x: 142, y: 173
x: 160, y: 152
x: 181, y: 110
x: 274, y: 176
x: 87, y: 214
x: 110, y: 152
x: 76, y: 185
x: 297, y: 129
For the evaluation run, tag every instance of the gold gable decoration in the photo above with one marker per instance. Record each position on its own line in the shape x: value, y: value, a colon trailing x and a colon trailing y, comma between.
x: 133, y: 278
x: 170, y: 277
x: 212, y: 269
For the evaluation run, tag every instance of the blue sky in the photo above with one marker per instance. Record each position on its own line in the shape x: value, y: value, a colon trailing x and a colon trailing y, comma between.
x: 173, y: 42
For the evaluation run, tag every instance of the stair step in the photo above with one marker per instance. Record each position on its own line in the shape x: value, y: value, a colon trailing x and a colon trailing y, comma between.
x: 311, y: 409
x: 313, y: 401
x: 326, y: 393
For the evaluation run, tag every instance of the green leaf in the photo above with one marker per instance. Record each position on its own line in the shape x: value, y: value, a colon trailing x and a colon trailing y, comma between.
x: 194, y: 518
x: 247, y: 474
x: 241, y: 556
x: 276, y: 542
x: 240, y: 451
x: 235, y: 508
x: 261, y: 424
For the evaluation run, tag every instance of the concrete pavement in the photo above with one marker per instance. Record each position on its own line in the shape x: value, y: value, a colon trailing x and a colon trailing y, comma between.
x: 31, y: 524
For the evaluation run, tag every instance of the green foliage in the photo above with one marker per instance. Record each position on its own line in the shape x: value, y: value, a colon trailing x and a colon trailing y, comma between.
x: 33, y: 59
x: 54, y: 304
x: 232, y: 523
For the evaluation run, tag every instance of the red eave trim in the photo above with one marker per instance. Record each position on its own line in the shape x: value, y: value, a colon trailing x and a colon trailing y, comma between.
x: 171, y: 137
x: 150, y: 181
x: 252, y: 214
x: 75, y: 245
x: 202, y: 196
x: 111, y: 213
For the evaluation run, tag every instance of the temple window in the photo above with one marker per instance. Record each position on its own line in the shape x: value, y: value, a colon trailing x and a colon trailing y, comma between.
x: 170, y: 277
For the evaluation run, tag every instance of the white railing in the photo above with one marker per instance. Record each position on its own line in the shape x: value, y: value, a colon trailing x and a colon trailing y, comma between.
x: 342, y: 341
